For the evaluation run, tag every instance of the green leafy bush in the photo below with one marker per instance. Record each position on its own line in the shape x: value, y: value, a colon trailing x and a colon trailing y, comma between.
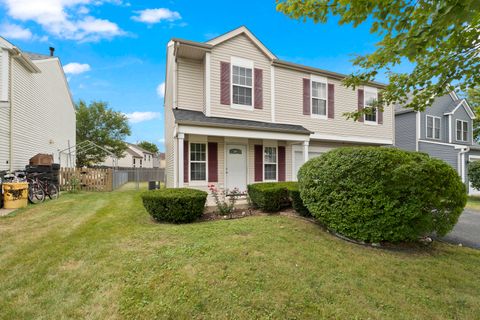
x: 268, y: 196
x: 273, y: 196
x: 175, y: 205
x: 382, y: 194
x: 474, y: 174
x: 297, y: 202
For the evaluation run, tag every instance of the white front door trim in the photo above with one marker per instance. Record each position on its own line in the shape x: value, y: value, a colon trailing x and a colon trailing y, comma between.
x: 229, y: 166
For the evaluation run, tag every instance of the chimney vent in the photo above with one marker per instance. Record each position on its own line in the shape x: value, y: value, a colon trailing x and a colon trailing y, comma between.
x: 52, y: 50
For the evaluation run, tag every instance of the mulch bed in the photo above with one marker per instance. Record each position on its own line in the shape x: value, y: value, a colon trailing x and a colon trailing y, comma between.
x: 247, y: 212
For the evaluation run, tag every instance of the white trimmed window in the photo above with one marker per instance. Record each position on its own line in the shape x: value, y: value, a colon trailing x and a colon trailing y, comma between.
x: 242, y: 82
x: 462, y: 130
x: 370, y: 96
x: 433, y: 127
x: 198, y: 162
x: 319, y: 97
x: 269, y: 163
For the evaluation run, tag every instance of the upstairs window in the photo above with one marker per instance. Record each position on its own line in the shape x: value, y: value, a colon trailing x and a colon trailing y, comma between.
x: 370, y: 96
x: 270, y: 163
x: 242, y: 85
x: 319, y: 98
x: 462, y: 130
x: 433, y: 127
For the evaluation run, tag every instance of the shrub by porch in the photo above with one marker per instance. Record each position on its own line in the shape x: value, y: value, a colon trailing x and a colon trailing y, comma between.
x: 274, y: 196
x: 382, y: 194
x: 175, y: 205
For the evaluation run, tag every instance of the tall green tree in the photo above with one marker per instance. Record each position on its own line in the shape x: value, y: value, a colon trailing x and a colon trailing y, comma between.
x: 439, y: 37
x: 473, y: 97
x: 103, y: 126
x: 149, y: 146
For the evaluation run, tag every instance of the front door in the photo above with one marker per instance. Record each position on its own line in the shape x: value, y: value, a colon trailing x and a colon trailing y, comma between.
x: 236, y: 167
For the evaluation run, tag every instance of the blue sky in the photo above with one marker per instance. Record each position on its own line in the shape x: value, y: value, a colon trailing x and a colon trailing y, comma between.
x: 114, y: 50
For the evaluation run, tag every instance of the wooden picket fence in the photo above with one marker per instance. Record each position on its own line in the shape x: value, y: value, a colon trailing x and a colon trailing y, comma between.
x: 86, y: 179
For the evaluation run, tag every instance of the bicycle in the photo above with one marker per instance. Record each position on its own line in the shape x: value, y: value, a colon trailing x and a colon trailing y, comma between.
x: 39, y: 189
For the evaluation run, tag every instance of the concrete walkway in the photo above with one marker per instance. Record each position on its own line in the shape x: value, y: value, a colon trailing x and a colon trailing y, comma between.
x: 467, y: 230
x: 4, y: 212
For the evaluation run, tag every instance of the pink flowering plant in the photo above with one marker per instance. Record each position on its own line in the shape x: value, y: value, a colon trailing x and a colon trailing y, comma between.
x: 224, y: 199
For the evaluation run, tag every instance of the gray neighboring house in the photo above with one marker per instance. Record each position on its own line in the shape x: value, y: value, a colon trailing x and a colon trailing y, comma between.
x: 444, y: 131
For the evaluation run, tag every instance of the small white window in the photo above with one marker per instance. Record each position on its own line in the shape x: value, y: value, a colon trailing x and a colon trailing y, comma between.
x: 198, y: 162
x: 242, y: 85
x: 433, y: 127
x: 462, y: 130
x: 369, y: 97
x: 319, y: 98
x: 270, y: 163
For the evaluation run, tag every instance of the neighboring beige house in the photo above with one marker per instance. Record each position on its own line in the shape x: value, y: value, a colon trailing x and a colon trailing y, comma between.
x: 235, y: 114
x: 37, y: 114
x: 134, y: 157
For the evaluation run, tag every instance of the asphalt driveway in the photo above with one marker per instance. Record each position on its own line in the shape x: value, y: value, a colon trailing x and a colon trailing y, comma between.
x: 467, y: 230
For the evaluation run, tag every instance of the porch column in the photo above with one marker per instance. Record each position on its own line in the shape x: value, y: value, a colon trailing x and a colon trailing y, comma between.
x: 305, y: 151
x: 180, y: 139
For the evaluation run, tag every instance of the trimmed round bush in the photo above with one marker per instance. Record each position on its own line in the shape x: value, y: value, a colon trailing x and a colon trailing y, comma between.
x: 178, y: 205
x: 268, y: 196
x: 297, y: 202
x: 377, y: 194
x: 274, y: 196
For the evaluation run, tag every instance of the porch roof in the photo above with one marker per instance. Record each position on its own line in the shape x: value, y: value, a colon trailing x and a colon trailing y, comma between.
x: 197, y: 118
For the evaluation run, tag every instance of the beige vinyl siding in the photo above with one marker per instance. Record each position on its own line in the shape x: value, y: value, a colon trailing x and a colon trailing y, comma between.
x: 4, y: 120
x: 289, y: 108
x: 190, y: 84
x: 240, y: 47
x: 170, y: 144
x: 4, y: 135
x: 43, y: 112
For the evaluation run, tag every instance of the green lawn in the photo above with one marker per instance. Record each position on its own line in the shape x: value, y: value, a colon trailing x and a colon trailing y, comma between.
x: 99, y: 256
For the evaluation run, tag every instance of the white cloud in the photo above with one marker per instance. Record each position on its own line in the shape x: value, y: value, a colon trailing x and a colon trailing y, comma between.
x: 161, y: 90
x: 156, y: 15
x: 138, y: 116
x: 61, y: 18
x: 13, y: 31
x: 76, y: 68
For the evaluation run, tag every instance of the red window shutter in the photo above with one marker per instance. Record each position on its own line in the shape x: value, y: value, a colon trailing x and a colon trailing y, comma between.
x: 360, y: 103
x: 212, y: 162
x: 331, y: 100
x: 306, y: 96
x: 186, y: 156
x: 258, y: 159
x: 225, y: 83
x: 281, y: 163
x: 258, y: 88
x: 380, y: 112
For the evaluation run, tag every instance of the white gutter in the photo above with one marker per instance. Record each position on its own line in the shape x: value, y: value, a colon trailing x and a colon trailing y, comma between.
x: 24, y: 60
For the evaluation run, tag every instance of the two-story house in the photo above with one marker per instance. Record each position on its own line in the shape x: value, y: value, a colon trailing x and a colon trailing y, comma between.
x: 444, y: 131
x: 37, y: 113
x: 236, y: 114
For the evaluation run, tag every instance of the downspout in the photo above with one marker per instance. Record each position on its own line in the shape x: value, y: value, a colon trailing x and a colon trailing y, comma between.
x: 461, y: 161
x: 10, y: 98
